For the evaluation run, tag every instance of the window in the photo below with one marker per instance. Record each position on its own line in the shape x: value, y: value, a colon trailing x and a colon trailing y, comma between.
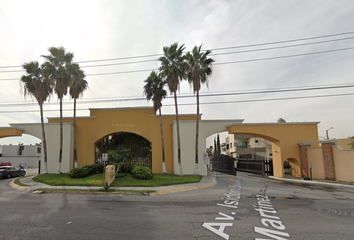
x: 39, y: 150
x: 270, y: 154
x: 243, y: 144
x: 256, y: 141
x: 230, y: 145
x: 235, y: 144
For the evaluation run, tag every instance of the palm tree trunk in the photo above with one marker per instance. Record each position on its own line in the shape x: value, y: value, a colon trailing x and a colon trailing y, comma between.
x: 178, y: 139
x: 45, y: 167
x: 75, y: 151
x: 61, y: 137
x: 196, y: 170
x: 163, y: 146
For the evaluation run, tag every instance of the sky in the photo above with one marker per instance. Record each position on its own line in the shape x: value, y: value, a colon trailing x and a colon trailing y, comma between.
x: 258, y: 46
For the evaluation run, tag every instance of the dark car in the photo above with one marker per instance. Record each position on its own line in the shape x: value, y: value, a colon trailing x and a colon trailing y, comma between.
x: 9, y: 172
x: 5, y: 164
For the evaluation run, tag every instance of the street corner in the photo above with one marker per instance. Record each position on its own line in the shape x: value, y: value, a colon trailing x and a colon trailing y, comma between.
x: 18, y: 187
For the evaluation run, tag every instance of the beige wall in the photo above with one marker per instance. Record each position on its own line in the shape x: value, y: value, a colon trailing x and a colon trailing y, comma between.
x: 187, y: 132
x: 52, y: 131
x: 343, y: 164
x: 343, y: 143
x: 315, y: 158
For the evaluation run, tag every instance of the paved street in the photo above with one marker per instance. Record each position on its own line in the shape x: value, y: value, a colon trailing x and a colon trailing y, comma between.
x: 237, y: 207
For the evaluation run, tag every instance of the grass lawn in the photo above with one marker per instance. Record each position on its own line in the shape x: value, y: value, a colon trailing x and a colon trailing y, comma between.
x: 128, y: 180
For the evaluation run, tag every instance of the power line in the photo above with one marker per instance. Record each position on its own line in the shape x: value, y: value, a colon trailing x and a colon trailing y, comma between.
x: 211, y: 103
x: 223, y: 48
x: 222, y: 63
x: 189, y: 96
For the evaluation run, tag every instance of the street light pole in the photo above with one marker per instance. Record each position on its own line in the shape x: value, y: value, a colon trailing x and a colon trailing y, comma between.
x: 327, y: 132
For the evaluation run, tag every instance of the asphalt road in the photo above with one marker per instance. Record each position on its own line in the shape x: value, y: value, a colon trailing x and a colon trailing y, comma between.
x: 241, y: 207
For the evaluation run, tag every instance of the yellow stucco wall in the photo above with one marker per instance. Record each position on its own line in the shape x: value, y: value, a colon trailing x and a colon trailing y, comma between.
x: 140, y: 121
x: 284, y: 137
x: 10, y: 132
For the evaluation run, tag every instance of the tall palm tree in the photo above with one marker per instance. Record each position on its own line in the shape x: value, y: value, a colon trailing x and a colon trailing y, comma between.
x: 57, y: 68
x: 199, y: 69
x: 77, y: 88
x: 154, y: 89
x: 35, y: 85
x: 172, y: 69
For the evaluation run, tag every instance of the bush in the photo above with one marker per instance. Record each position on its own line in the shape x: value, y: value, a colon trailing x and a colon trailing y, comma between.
x: 126, y: 167
x: 86, y: 170
x: 78, y: 173
x: 141, y: 172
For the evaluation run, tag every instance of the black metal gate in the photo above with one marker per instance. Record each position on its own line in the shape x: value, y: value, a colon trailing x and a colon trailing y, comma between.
x: 223, y: 164
x: 261, y: 167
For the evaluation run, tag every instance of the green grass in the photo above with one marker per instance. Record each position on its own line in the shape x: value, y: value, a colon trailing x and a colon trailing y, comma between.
x: 128, y: 180
x: 17, y: 181
x: 102, y: 190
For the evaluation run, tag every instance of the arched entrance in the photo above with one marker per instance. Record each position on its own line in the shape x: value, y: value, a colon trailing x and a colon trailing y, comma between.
x: 125, y: 147
x: 285, y: 139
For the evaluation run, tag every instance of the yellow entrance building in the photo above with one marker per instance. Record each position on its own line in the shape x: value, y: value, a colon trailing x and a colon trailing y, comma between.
x: 288, y: 139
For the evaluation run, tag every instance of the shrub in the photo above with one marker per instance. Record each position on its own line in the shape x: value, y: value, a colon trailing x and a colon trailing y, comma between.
x: 126, y: 167
x: 86, y: 170
x: 78, y: 173
x: 141, y: 172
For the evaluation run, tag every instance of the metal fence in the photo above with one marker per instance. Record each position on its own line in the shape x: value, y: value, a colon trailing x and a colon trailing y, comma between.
x: 261, y: 167
x: 223, y: 164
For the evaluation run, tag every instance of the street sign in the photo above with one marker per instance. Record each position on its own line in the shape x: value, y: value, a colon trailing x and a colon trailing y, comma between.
x: 104, y: 157
x: 206, y: 159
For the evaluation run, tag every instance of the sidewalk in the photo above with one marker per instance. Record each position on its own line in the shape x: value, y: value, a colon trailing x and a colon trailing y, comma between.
x: 204, y: 183
x: 315, y: 182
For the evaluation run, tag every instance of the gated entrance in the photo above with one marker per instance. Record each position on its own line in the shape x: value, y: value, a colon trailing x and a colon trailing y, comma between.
x: 261, y: 167
x: 223, y: 164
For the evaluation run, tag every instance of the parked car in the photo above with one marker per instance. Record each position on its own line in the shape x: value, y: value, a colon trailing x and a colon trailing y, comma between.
x: 9, y: 172
x: 5, y: 164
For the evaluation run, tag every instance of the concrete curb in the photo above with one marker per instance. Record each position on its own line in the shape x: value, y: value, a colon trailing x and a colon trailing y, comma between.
x: 204, y: 183
x: 311, y: 182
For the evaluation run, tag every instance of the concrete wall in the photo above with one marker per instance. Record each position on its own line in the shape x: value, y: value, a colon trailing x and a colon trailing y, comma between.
x: 343, y: 164
x: 315, y: 158
x: 31, y: 162
x: 187, y: 132
x: 52, y: 131
x: 9, y: 150
x: 13, y: 150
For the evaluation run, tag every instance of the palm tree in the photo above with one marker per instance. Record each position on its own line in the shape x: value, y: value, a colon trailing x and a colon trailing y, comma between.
x: 172, y: 69
x: 153, y: 89
x: 199, y: 69
x: 78, y: 86
x: 35, y: 85
x: 57, y: 69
